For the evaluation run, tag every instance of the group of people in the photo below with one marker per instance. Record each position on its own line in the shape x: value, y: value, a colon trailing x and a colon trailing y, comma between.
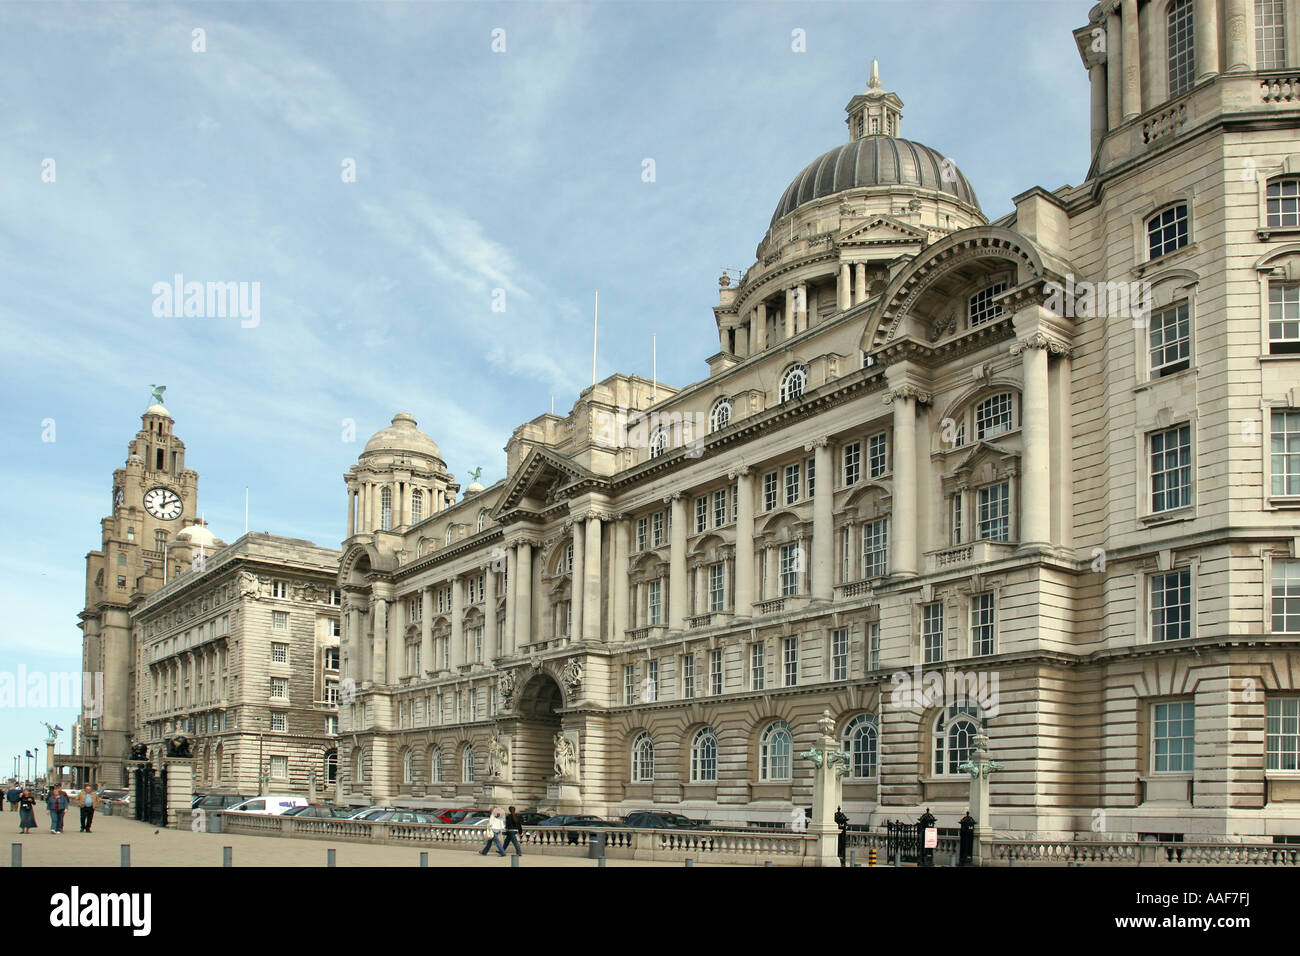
x: 499, y: 822
x: 57, y: 801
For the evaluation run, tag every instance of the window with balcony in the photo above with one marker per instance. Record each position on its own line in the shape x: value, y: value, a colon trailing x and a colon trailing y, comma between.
x: 717, y: 587
x: 654, y: 603
x: 791, y: 565
x: 995, y: 512
x: 875, y: 548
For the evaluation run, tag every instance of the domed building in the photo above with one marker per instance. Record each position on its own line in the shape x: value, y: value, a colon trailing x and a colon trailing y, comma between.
x: 1020, y: 490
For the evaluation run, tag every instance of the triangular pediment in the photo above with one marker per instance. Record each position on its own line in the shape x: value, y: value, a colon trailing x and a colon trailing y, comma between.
x: 883, y: 230
x: 542, y: 479
x: 983, y: 451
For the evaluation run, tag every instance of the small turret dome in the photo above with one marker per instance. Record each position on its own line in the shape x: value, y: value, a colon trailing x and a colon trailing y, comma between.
x: 158, y: 410
x: 402, y: 436
x: 198, y: 536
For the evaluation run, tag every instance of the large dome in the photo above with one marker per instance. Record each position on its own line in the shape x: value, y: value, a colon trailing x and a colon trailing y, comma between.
x: 874, y: 161
x: 403, y: 436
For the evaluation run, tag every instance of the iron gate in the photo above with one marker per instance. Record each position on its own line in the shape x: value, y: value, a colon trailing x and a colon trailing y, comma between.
x: 902, y: 841
x: 151, y: 795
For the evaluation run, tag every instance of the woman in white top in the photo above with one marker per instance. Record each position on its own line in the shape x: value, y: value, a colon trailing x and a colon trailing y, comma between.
x: 492, y: 829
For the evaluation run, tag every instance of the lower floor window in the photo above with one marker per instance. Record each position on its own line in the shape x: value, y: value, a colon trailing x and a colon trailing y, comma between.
x: 1173, y: 737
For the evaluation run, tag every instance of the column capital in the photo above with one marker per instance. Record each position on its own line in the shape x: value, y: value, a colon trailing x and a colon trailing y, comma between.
x: 675, y: 496
x: 1040, y: 339
x: 908, y: 390
x: 742, y: 472
x: 816, y: 443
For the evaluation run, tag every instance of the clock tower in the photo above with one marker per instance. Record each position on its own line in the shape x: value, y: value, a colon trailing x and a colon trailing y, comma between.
x: 154, y: 497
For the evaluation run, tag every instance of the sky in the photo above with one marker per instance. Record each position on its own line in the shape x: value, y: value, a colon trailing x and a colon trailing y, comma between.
x: 425, y: 197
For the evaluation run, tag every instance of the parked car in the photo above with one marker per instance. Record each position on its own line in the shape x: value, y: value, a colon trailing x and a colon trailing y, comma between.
x: 271, y: 804
x: 457, y: 815
x: 320, y: 811
x: 661, y: 820
x: 404, y: 816
x: 217, y: 801
x: 367, y: 813
x: 532, y: 818
x: 574, y: 820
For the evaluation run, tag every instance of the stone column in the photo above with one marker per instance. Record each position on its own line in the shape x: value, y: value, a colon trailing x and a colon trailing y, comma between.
x: 744, y: 588
x: 844, y: 290
x: 677, y: 563
x: 860, y: 283
x: 591, y: 584
x: 760, y: 327
x: 363, y: 516
x: 1097, y: 76
x: 1132, y: 85
x: 801, y: 307
x: 1207, y: 38
x: 771, y: 566
x: 903, y: 557
x: 723, y: 344
x: 577, y: 579
x: 512, y: 586
x: 491, y: 640
x: 1238, y: 29
x: 1036, y: 489
x: 427, y: 663
x: 1114, y: 71
x: 379, y: 627
x: 355, y: 643
x: 823, y: 556
x: 396, y: 640
x: 618, y: 582
x: 352, y: 512
x: 699, y: 605
x: 524, y: 597
x: 788, y: 315
x: 457, y: 623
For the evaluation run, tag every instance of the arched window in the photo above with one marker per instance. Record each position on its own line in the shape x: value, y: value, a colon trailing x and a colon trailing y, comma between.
x: 704, y: 756
x: 793, y: 382
x: 482, y: 520
x: 386, y: 509
x: 567, y: 567
x: 643, y: 759
x: 435, y: 765
x: 467, y: 765
x: 331, y: 767
x: 993, y: 415
x: 408, y: 766
x: 658, y: 442
x: 417, y: 505
x: 954, y: 737
x: 774, y: 752
x: 861, y: 743
x: 448, y: 538
x: 359, y: 767
x: 720, y: 417
x: 419, y: 548
x: 1182, y: 47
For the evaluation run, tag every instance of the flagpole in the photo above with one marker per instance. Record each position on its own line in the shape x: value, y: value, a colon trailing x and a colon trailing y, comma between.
x: 654, y: 368
x: 595, y: 325
x: 245, y: 509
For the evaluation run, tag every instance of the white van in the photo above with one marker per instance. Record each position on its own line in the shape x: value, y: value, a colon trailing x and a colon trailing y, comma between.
x: 273, y: 803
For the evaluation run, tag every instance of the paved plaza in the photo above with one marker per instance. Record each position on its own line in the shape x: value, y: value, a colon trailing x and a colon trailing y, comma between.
x: 151, y: 846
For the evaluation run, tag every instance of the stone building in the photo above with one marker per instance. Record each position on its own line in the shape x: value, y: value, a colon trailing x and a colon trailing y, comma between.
x: 242, y: 656
x: 1035, y: 478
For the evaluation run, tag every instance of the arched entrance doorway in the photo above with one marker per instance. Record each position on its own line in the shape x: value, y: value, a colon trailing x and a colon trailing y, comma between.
x: 539, y: 704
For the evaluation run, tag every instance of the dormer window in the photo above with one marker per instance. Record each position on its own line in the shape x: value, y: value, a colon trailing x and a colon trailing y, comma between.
x: 658, y: 442
x: 1181, y: 36
x: 720, y: 417
x: 1167, y: 231
x: 1283, y: 203
x: 793, y: 382
x: 981, y: 308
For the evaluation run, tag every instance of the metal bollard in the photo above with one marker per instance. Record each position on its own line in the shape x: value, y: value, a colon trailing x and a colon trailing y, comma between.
x: 1011, y: 862
x: 514, y: 861
x: 16, y: 858
x: 329, y: 857
x: 424, y: 858
x: 600, y: 861
x: 126, y: 854
x: 225, y: 856
x: 871, y: 857
x: 853, y: 856
x: 689, y: 861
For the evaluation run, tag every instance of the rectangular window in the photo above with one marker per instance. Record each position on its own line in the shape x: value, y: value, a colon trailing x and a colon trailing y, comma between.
x: 654, y: 603
x: 1170, y: 341
x: 651, y: 682
x: 720, y: 508
x: 981, y: 625
x: 280, y: 687
x: 757, y: 667
x: 336, y: 628
x: 1171, y: 469
x: 995, y: 512
x: 331, y: 658
x: 1171, y: 605
x: 332, y: 691
x: 1270, y: 35
x: 957, y: 509
x: 1167, y: 231
x: 1286, y: 597
x: 932, y: 632
x: 1283, y: 199
x: 811, y: 466
x: 717, y: 587
x: 790, y: 661
x: 279, y: 768
x: 993, y: 416
x: 640, y: 534
x: 981, y: 308
x: 791, y: 484
x: 1182, y: 66
x: 715, y: 673
x: 769, y: 491
x: 1283, y: 735
x: 701, y: 514
x: 279, y: 652
x: 877, y: 462
x: 279, y: 720
x: 852, y: 463
x: 331, y: 724
x: 688, y: 676
x: 1283, y: 317
x: 873, y: 645
x: 473, y: 704
x: 875, y: 548
x: 280, y: 620
x: 735, y: 502
x: 840, y: 654
x: 279, y: 589
x: 791, y: 565
x: 629, y: 684
x: 657, y: 529
x: 336, y: 597
x: 1174, y: 737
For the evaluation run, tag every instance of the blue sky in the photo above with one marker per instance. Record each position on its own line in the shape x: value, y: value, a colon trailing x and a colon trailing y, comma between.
x: 475, y: 171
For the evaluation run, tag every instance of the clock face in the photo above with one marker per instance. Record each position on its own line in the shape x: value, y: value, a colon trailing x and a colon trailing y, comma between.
x: 162, y: 504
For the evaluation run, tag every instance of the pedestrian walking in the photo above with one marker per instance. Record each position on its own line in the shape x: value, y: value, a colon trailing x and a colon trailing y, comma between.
x: 26, y: 811
x: 492, y: 830
x: 514, y: 828
x: 57, y: 804
x: 87, y: 802
x: 12, y: 795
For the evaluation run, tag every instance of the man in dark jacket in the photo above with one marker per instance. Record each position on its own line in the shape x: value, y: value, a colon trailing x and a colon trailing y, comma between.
x: 57, y: 804
x: 514, y: 827
x: 11, y: 797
